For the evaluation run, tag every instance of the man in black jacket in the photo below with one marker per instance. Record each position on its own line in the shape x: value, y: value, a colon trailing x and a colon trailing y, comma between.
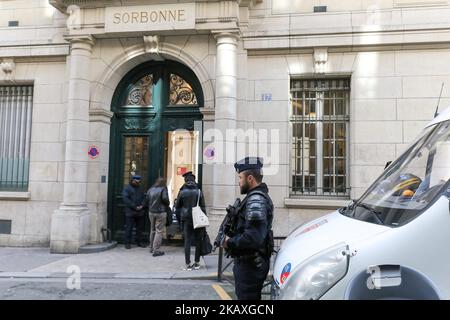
x: 250, y: 245
x: 188, y: 197
x: 133, y: 198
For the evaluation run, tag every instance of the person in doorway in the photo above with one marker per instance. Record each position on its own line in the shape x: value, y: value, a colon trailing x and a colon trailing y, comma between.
x: 157, y: 199
x: 133, y: 198
x: 188, y: 197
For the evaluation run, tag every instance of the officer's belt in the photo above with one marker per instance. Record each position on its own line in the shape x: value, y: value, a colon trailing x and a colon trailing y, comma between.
x: 247, y: 257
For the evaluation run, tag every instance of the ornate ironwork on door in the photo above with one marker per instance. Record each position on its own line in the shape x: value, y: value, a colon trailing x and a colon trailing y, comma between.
x: 181, y: 92
x: 141, y: 93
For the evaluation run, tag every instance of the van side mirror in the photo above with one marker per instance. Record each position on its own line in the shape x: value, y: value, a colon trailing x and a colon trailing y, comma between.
x: 387, y: 164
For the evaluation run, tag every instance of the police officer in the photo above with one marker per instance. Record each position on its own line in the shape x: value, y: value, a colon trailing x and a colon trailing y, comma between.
x: 249, y: 246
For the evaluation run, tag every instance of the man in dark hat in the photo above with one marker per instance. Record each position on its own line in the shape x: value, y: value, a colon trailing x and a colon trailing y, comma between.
x: 133, y: 198
x: 252, y: 245
x: 188, y: 176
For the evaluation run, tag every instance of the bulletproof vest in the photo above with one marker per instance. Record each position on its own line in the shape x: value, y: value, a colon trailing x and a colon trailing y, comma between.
x: 266, y: 196
x: 269, y: 240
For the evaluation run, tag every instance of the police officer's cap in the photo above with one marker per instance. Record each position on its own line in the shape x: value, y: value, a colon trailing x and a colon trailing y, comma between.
x: 248, y: 163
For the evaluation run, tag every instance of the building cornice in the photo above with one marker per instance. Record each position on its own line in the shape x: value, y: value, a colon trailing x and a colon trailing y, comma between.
x: 233, y: 33
x: 62, y: 5
x: 350, y: 37
x: 100, y: 115
x: 248, y: 3
x: 34, y: 50
x: 84, y: 38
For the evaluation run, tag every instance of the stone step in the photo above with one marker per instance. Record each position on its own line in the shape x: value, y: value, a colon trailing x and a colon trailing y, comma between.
x: 94, y: 248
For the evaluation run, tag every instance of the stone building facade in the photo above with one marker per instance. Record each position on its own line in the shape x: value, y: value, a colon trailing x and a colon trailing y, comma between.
x: 93, y: 91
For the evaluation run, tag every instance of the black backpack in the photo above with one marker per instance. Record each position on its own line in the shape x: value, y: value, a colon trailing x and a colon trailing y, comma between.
x: 205, y: 245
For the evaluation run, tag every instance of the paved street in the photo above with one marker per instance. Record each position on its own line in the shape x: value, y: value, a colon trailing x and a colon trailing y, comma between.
x: 34, y: 273
x: 111, y: 289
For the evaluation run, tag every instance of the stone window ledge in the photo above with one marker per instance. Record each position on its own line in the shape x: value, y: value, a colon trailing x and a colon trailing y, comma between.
x: 326, y: 203
x: 4, y: 195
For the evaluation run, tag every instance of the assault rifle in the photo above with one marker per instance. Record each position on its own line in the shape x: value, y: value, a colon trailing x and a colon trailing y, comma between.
x: 227, y: 228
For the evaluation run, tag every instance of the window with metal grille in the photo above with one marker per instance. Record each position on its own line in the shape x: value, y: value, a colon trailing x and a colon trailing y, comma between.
x: 320, y: 135
x: 15, y: 131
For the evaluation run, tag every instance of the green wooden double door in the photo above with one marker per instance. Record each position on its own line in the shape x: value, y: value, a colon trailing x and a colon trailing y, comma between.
x: 155, y: 132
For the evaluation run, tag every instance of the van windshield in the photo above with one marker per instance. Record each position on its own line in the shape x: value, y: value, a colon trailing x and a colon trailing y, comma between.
x: 411, y: 183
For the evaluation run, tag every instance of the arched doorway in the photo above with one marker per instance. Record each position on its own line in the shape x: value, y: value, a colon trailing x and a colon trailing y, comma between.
x: 154, y: 132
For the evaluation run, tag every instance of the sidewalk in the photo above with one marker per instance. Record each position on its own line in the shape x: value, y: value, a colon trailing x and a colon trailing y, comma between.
x: 117, y: 263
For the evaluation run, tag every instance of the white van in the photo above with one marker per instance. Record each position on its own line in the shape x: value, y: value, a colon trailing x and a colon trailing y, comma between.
x: 393, y: 242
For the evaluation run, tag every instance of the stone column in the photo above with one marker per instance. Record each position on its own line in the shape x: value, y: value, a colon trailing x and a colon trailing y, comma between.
x: 70, y: 223
x: 224, y: 175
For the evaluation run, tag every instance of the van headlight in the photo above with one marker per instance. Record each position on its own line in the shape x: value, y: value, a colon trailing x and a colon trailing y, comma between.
x: 314, y: 277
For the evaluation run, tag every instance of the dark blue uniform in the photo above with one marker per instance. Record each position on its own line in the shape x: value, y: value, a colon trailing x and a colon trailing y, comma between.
x: 133, y: 196
x: 251, y: 260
